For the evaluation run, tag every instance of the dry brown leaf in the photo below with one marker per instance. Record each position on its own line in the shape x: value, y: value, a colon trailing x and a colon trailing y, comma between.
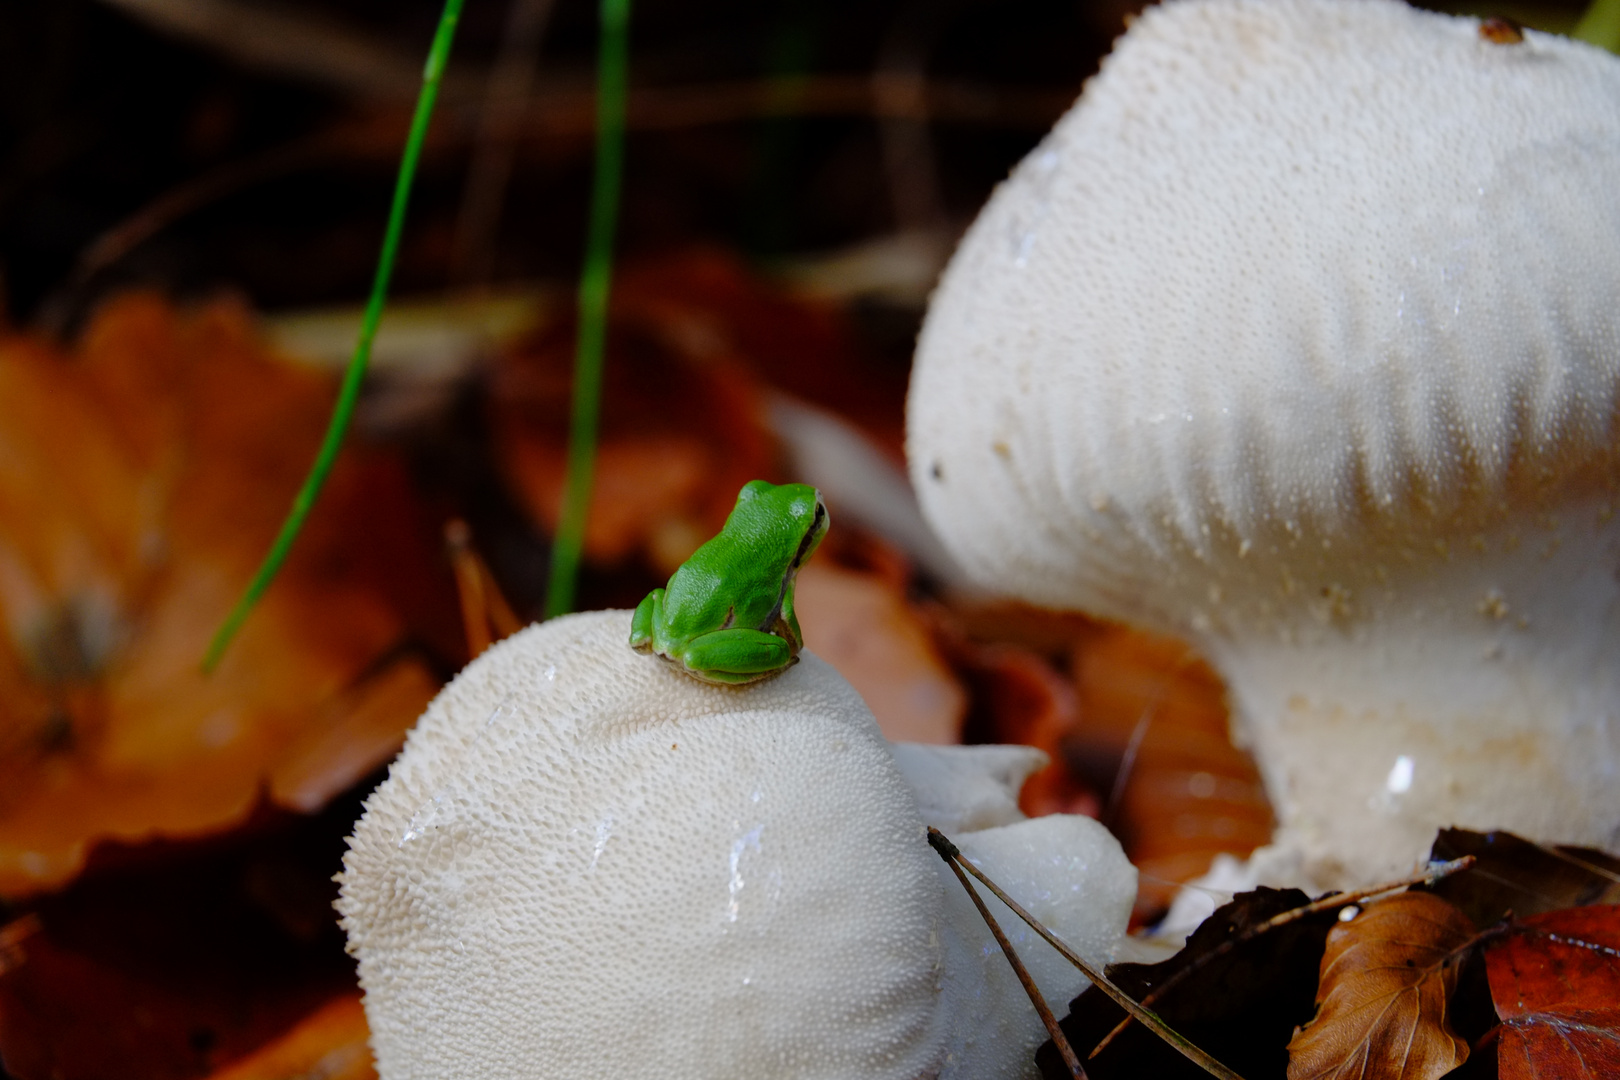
x: 861, y: 624
x: 1387, y: 976
x: 1019, y: 697
x: 1512, y: 874
x: 140, y: 483
x: 1153, y: 734
x: 329, y: 1044
x: 1234, y: 991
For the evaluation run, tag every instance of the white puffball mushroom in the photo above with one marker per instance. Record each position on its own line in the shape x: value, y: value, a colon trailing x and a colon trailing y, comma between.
x: 1298, y: 337
x: 961, y: 788
x: 585, y: 864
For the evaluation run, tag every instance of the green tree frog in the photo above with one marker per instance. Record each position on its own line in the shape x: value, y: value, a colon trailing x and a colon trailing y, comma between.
x: 726, y: 615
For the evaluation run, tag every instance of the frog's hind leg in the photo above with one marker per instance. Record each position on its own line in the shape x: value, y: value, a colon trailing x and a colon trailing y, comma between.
x: 737, y: 655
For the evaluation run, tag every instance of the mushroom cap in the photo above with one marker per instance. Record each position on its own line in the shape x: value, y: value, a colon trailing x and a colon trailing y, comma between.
x: 1297, y: 337
x: 1295, y: 281
x: 584, y: 864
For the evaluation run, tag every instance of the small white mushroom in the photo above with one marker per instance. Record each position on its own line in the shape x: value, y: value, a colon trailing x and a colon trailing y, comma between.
x: 962, y: 788
x: 1068, y: 872
x: 584, y: 864
x: 1298, y: 337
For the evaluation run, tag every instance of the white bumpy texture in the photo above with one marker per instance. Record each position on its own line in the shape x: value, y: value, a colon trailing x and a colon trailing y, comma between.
x: 584, y: 864
x: 1298, y: 336
x: 587, y: 865
x: 1256, y: 284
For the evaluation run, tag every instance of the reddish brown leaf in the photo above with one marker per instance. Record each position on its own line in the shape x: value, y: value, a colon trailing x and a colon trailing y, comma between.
x: 1387, y: 976
x: 141, y: 481
x: 1555, y: 979
x: 682, y: 426
x: 861, y: 624
x: 1020, y: 698
x: 329, y: 1044
x: 1153, y: 735
x: 168, y: 961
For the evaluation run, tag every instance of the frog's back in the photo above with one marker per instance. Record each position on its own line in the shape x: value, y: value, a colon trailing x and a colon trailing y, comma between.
x: 724, y: 583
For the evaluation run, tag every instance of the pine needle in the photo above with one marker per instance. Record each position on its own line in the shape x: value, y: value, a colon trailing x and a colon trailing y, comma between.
x: 349, y: 394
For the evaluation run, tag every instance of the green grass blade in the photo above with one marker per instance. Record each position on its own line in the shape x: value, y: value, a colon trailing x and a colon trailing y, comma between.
x: 594, y: 286
x: 343, y: 411
x: 1600, y: 25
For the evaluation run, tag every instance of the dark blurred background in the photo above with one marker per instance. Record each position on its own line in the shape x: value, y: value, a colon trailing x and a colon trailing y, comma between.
x: 206, y: 144
x: 252, y: 145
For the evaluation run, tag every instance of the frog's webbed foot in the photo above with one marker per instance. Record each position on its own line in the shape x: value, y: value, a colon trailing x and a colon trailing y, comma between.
x: 645, y: 618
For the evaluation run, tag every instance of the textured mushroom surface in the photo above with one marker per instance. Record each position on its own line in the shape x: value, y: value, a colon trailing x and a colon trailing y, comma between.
x: 961, y: 788
x: 585, y: 864
x: 1297, y: 337
x: 1071, y: 874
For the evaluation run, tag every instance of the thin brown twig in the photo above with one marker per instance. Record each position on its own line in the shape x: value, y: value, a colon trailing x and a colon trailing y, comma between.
x: 1326, y: 903
x: 952, y: 856
x: 1133, y: 747
x: 1148, y: 1018
x: 469, y: 586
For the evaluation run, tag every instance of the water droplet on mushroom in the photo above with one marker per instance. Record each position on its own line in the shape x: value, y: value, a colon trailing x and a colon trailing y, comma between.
x: 749, y: 839
x: 427, y: 816
x: 604, y: 832
x: 1400, y: 776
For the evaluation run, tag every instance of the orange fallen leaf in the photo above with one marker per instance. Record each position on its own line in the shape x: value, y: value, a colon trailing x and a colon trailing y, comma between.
x: 1153, y: 734
x: 1555, y: 981
x: 861, y: 624
x: 140, y: 482
x: 329, y: 1044
x: 1387, y: 976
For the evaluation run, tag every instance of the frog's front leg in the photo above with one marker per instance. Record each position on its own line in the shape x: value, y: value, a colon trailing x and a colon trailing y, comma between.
x: 787, y: 623
x: 649, y: 613
x: 736, y: 655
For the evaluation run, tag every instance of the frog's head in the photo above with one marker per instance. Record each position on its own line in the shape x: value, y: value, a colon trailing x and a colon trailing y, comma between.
x: 793, y: 512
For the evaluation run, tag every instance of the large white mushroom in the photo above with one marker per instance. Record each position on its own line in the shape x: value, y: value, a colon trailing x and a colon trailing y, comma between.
x: 585, y: 864
x: 1299, y: 336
